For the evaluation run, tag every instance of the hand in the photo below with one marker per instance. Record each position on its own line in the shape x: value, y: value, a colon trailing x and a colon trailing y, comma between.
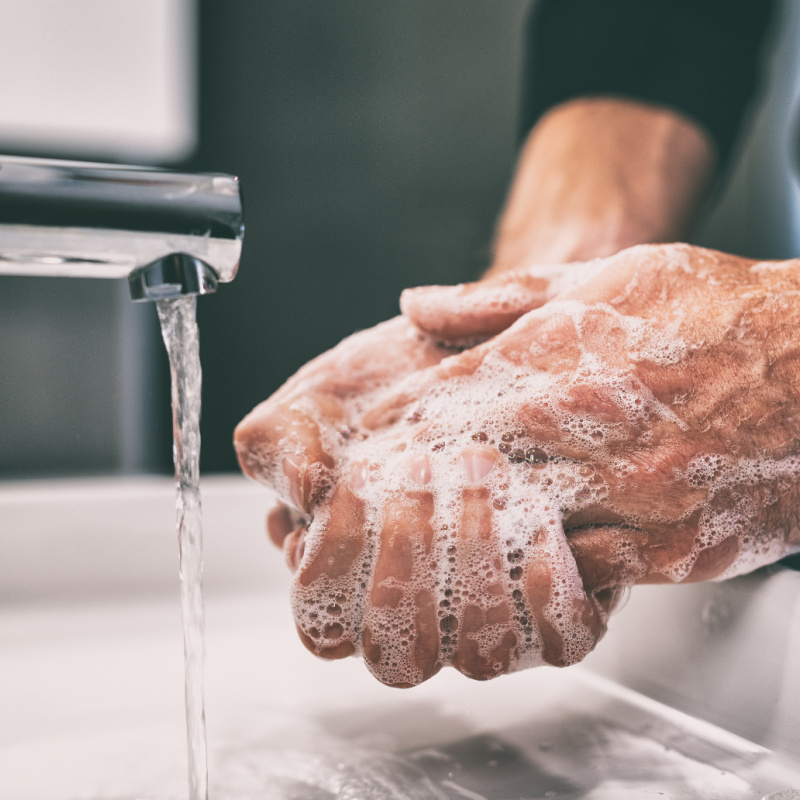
x: 641, y: 427
x: 288, y: 441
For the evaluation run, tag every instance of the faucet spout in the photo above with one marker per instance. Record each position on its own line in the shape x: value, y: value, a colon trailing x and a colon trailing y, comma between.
x: 175, y: 275
x: 169, y: 233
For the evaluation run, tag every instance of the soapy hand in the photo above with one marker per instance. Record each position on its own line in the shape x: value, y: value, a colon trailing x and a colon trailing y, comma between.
x: 483, y: 509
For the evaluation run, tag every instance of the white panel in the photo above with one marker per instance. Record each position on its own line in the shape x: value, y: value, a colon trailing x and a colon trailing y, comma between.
x: 99, y: 78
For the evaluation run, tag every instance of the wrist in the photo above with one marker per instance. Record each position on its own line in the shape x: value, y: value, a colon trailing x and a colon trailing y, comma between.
x: 597, y: 175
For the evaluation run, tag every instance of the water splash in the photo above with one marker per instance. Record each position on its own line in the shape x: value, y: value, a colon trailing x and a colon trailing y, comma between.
x: 181, y: 337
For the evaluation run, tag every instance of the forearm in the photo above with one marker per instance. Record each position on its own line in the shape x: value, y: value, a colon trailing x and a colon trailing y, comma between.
x: 597, y: 175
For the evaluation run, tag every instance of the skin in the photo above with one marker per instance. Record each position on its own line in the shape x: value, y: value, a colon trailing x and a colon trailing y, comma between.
x: 598, y: 175
x: 627, y: 420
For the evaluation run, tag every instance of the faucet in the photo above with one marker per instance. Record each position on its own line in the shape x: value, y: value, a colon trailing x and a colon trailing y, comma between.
x: 170, y: 234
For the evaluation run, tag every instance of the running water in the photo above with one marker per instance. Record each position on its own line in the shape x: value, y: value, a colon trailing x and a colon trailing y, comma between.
x: 179, y: 329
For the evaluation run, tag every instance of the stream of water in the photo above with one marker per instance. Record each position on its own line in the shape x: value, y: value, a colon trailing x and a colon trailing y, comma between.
x: 179, y: 329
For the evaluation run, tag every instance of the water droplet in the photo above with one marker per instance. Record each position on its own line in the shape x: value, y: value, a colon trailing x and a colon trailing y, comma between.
x: 536, y: 457
x: 449, y: 624
x: 333, y: 630
x: 507, y: 437
x: 504, y: 447
x: 479, y: 437
x: 516, y: 456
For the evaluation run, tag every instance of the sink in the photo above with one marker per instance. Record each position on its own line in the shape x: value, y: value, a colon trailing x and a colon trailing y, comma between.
x: 692, y: 694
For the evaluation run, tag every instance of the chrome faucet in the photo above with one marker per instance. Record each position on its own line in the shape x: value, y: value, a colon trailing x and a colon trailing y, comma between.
x: 168, y: 233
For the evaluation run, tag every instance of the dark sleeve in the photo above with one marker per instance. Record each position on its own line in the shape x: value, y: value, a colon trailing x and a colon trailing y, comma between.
x: 698, y: 57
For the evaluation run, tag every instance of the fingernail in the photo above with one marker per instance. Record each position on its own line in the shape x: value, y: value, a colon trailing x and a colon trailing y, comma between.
x: 419, y: 469
x: 279, y: 524
x: 359, y: 475
x: 295, y: 547
x: 295, y: 467
x: 478, y: 463
x: 419, y: 294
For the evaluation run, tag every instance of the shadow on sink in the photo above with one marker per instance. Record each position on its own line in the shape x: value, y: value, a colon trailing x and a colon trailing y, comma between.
x: 615, y: 751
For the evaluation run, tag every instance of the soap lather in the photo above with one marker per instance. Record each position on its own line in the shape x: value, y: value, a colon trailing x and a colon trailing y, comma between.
x: 170, y: 234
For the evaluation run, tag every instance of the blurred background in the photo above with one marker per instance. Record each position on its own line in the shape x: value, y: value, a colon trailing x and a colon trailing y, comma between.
x: 374, y: 140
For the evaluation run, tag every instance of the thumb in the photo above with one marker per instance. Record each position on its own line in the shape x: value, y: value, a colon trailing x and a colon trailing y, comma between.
x: 472, y: 311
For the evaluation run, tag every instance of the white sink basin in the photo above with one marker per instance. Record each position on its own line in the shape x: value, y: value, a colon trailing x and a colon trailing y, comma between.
x: 91, y: 682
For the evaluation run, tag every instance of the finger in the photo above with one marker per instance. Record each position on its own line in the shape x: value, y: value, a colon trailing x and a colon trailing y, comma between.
x: 474, y: 311
x: 569, y: 621
x: 280, y: 523
x: 285, y: 447
x: 328, y: 586
x: 481, y: 637
x: 610, y: 556
x: 400, y: 634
